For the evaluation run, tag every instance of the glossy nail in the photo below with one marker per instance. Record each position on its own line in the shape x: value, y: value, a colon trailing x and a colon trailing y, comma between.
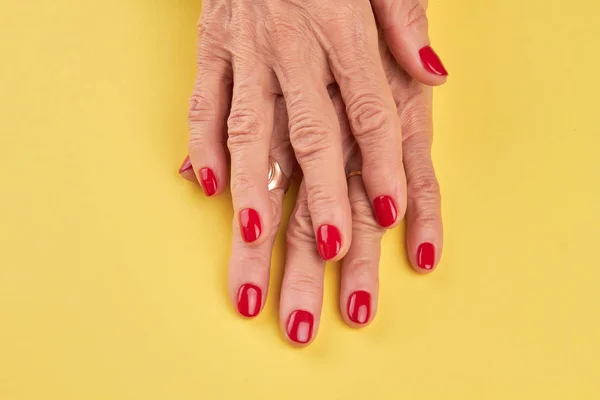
x: 385, y: 211
x: 300, y: 326
x: 329, y: 241
x: 250, y: 225
x: 359, y: 307
x: 431, y: 61
x: 249, y: 300
x: 187, y: 165
x: 426, y: 256
x: 208, y: 180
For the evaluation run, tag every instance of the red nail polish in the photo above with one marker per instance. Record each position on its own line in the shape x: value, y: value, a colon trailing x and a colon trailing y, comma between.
x: 300, y: 326
x: 329, y: 241
x: 385, y: 211
x: 426, y: 256
x: 249, y: 300
x: 208, y: 181
x: 187, y: 165
x: 431, y: 61
x: 359, y: 307
x: 250, y: 225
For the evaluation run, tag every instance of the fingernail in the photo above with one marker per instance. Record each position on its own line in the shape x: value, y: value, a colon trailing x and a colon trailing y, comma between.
x: 359, y: 307
x: 385, y: 211
x: 249, y: 300
x: 329, y: 241
x: 208, y: 181
x: 187, y: 165
x: 431, y: 61
x: 300, y: 326
x: 250, y: 225
x: 426, y: 256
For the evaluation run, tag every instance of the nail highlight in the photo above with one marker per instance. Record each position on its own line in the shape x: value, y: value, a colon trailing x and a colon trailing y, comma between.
x: 359, y: 307
x: 250, y: 225
x: 431, y: 61
x: 208, y: 180
x: 385, y: 211
x: 300, y: 326
x: 187, y: 165
x: 329, y: 241
x: 426, y: 256
x: 249, y: 300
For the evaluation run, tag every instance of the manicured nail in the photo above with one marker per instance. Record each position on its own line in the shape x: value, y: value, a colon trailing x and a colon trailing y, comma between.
x: 385, y: 211
x: 431, y: 61
x: 208, y: 181
x: 329, y: 241
x: 300, y: 326
x: 249, y: 300
x: 250, y: 225
x: 187, y: 165
x: 359, y: 307
x: 426, y: 256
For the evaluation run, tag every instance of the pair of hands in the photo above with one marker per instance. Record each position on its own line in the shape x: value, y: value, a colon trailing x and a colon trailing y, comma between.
x: 265, y: 89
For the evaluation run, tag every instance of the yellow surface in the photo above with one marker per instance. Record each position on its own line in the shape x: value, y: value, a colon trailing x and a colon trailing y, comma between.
x: 113, y: 270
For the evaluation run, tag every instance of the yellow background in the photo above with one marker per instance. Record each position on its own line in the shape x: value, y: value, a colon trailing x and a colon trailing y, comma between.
x: 113, y: 269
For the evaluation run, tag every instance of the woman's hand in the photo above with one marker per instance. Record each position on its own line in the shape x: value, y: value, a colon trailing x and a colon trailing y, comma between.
x: 250, y: 52
x: 302, y: 288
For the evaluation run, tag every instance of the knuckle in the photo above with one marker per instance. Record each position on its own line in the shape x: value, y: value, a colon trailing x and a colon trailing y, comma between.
x: 416, y: 16
x: 241, y: 182
x: 367, y: 115
x: 300, y: 234
x: 253, y: 262
x: 425, y: 216
x: 243, y: 127
x: 417, y: 122
x: 363, y: 218
x: 202, y: 108
x: 303, y: 283
x: 424, y: 186
x: 308, y: 138
x: 320, y: 198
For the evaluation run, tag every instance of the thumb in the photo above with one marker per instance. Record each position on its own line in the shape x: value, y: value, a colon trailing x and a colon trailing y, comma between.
x: 405, y: 28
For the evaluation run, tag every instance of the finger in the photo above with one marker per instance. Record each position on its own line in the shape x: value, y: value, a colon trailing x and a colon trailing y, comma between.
x: 373, y: 117
x: 315, y: 137
x: 208, y: 110
x: 249, y: 266
x: 404, y: 24
x: 424, y: 218
x: 360, y: 271
x: 302, y: 286
x: 250, y: 126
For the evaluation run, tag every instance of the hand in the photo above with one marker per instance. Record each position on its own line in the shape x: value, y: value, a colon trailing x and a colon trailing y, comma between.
x: 302, y: 287
x: 260, y: 50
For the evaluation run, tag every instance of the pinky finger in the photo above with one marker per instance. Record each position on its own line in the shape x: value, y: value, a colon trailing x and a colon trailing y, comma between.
x: 424, y: 218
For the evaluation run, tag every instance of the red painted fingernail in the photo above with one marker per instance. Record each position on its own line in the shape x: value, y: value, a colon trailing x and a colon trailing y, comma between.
x: 250, y: 225
x: 426, y: 256
x: 431, y: 61
x: 208, y: 181
x: 187, y: 165
x: 329, y: 241
x: 359, y: 307
x: 385, y: 211
x: 249, y: 300
x: 300, y: 326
